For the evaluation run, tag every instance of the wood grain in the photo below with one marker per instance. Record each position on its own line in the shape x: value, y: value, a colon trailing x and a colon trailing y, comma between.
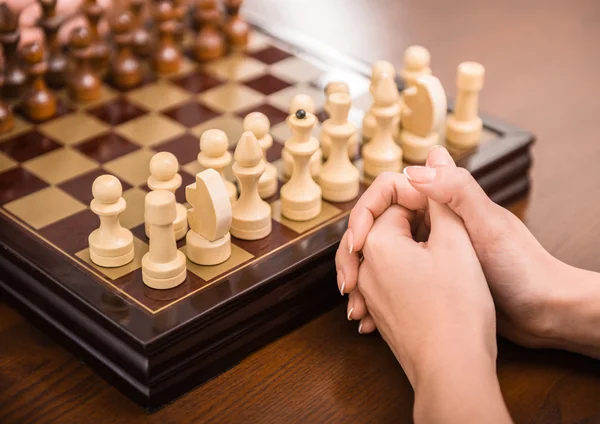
x: 541, y: 63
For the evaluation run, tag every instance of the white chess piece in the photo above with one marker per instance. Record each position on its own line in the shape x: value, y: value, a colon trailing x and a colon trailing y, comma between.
x: 208, y: 242
x: 464, y: 126
x: 369, y: 123
x: 382, y: 153
x: 214, y: 154
x: 164, y: 176
x: 339, y: 178
x: 251, y: 215
x: 306, y: 103
x: 163, y: 267
x: 331, y: 88
x: 259, y: 125
x: 422, y: 116
x: 301, y: 196
x: 110, y: 244
x: 415, y: 64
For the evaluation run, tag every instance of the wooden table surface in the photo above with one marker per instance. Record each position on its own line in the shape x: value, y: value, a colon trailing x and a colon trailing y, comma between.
x: 542, y: 73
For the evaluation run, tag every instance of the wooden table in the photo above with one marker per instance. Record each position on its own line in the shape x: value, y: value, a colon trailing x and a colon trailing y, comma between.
x: 542, y: 62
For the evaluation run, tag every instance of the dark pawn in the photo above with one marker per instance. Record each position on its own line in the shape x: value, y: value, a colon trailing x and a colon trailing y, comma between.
x: 57, y: 60
x: 126, y: 68
x: 210, y: 41
x: 7, y: 121
x: 236, y: 29
x: 142, y: 41
x: 39, y: 103
x: 179, y: 16
x: 15, y: 77
x: 84, y: 84
x: 167, y: 59
x: 100, y: 51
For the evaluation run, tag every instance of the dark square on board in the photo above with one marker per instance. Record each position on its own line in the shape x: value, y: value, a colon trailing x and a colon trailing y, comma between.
x: 197, y: 82
x: 17, y: 183
x: 275, y: 115
x: 81, y: 187
x: 191, y: 114
x: 106, y: 147
x: 28, y: 146
x: 267, y: 84
x: 280, y: 235
x: 185, y: 148
x: 116, y: 111
x: 71, y: 233
x: 271, y: 55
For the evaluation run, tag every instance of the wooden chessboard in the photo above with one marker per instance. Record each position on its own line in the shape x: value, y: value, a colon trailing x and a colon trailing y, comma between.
x: 156, y: 345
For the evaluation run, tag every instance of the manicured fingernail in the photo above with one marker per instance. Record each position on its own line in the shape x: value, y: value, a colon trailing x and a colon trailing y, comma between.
x: 350, y: 314
x: 420, y: 174
x: 341, y: 281
x: 439, y: 156
x: 437, y: 146
x: 350, y: 241
x: 360, y: 328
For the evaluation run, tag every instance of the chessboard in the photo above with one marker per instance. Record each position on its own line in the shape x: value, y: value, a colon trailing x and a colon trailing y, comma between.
x: 155, y: 345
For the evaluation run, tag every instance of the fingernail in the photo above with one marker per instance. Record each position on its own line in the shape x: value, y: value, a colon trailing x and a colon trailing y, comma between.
x: 439, y: 156
x: 420, y: 174
x: 360, y: 328
x: 437, y: 146
x: 350, y: 241
x: 350, y: 314
x: 341, y: 281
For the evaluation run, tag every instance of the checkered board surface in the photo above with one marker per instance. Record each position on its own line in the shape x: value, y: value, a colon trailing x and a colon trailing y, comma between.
x: 47, y: 169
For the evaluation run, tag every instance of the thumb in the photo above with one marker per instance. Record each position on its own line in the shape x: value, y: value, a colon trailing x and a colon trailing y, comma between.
x: 447, y: 229
x: 455, y: 187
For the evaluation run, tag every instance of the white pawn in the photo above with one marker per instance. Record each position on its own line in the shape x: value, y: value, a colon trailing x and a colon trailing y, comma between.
x: 339, y: 178
x: 251, y: 215
x: 214, y: 154
x: 259, y: 125
x: 301, y: 196
x: 306, y: 103
x: 415, y: 64
x: 422, y: 116
x: 110, y: 244
x: 164, y: 176
x: 382, y: 153
x: 208, y: 242
x: 369, y: 123
x: 331, y: 88
x: 163, y: 267
x: 463, y: 128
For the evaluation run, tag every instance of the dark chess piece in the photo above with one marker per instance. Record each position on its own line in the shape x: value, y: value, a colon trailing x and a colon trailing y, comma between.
x: 57, y: 60
x: 210, y: 41
x: 126, y: 69
x: 236, y: 29
x: 39, y: 103
x: 100, y: 51
x: 15, y: 77
x: 84, y: 83
x: 142, y: 41
x: 7, y: 121
x: 179, y: 15
x: 167, y: 58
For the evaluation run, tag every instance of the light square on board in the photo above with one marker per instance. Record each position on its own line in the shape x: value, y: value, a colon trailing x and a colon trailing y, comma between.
x: 232, y: 125
x: 231, y: 97
x: 207, y: 273
x: 236, y: 67
x: 19, y: 126
x: 150, y: 129
x: 140, y: 249
x: 328, y: 211
x: 60, y: 165
x: 158, y: 96
x: 6, y: 163
x: 133, y: 168
x: 283, y: 98
x: 134, y: 213
x: 73, y: 128
x: 257, y: 41
x: 295, y: 69
x: 44, y: 207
